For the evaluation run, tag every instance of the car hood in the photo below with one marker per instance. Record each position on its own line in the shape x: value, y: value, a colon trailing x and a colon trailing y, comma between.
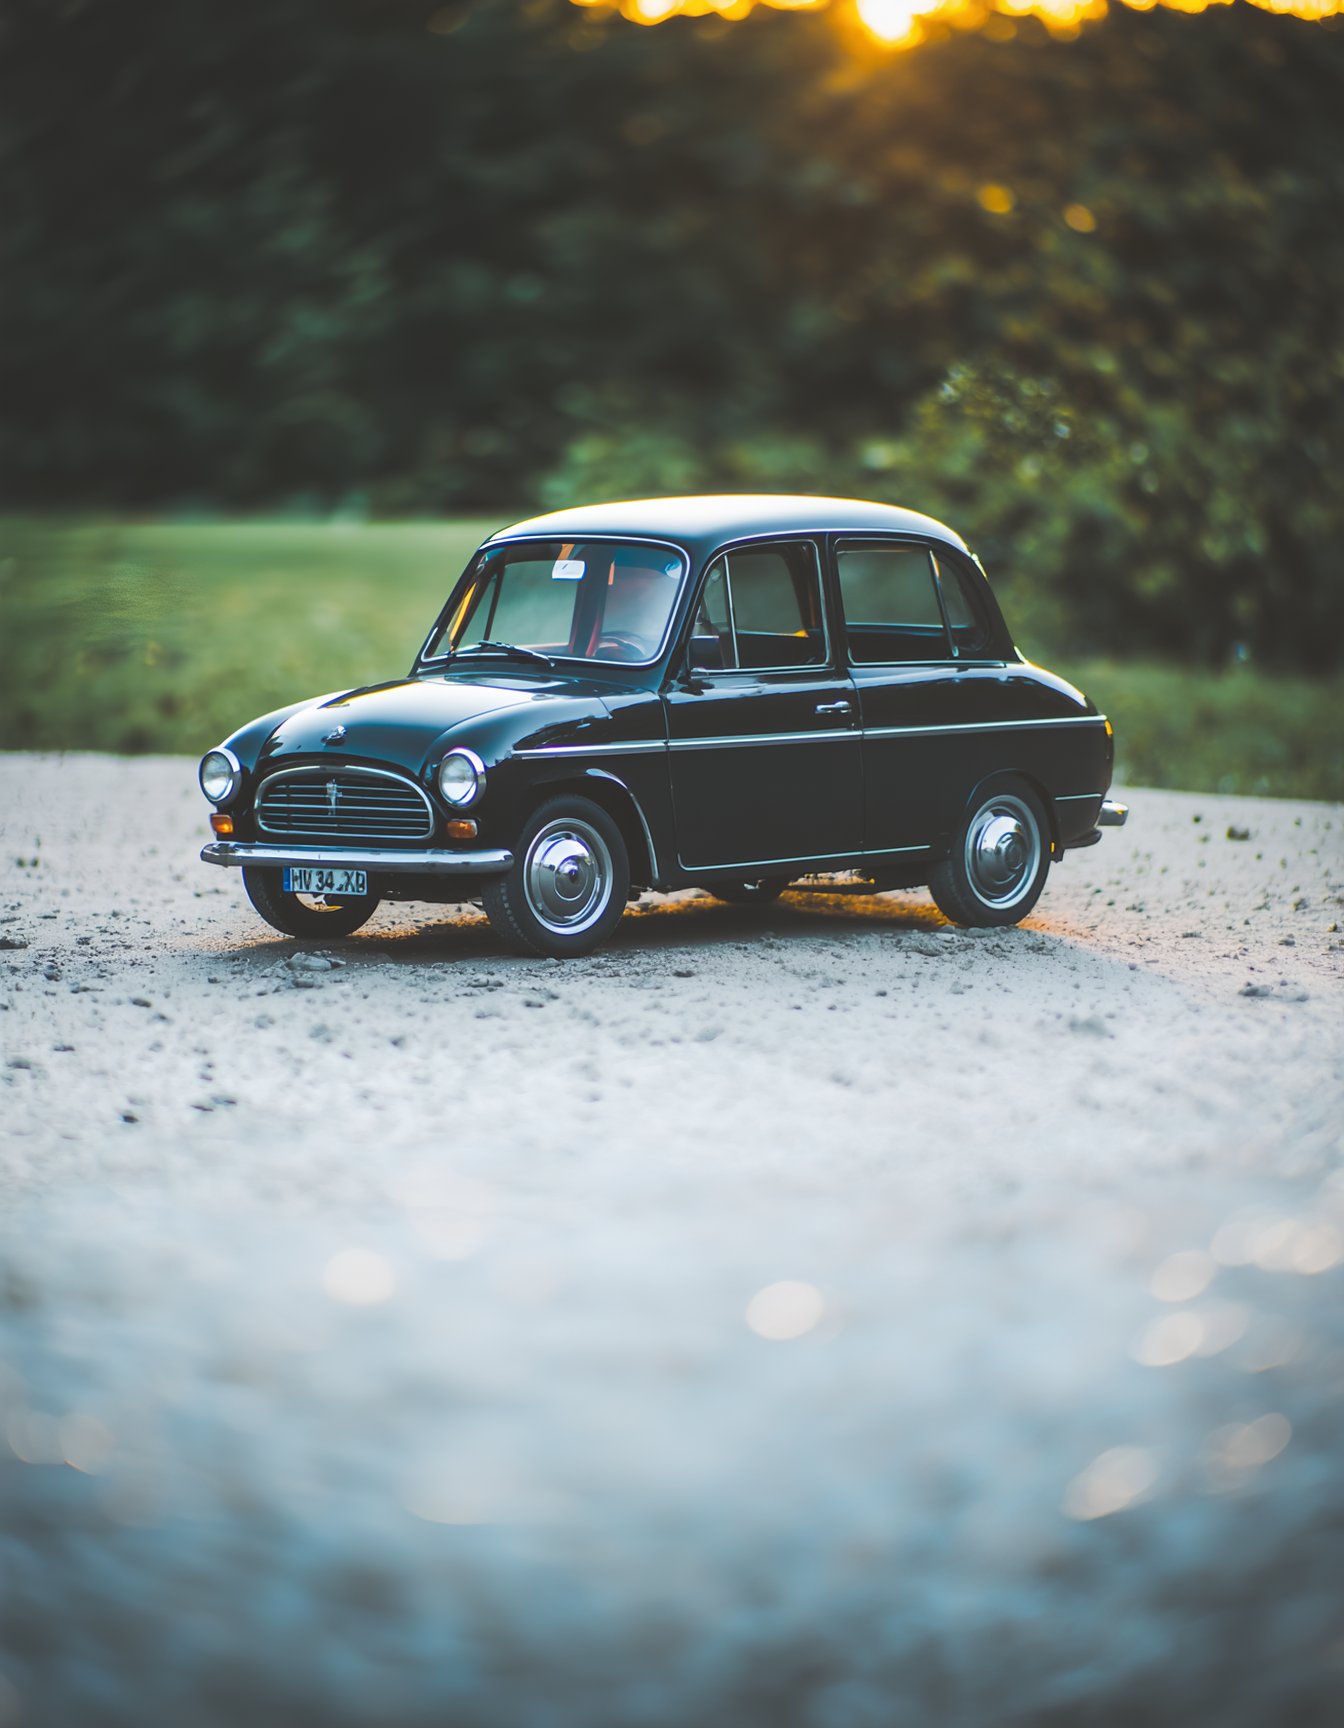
x: 404, y: 721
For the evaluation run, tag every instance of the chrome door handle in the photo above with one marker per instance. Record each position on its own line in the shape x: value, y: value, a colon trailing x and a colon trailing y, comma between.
x: 833, y: 707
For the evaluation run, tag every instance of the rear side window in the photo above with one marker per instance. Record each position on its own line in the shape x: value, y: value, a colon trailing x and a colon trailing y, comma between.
x: 891, y: 603
x: 965, y: 611
x: 760, y: 609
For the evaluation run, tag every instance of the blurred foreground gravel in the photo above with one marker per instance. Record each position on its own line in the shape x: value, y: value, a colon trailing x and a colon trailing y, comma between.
x: 803, y: 1316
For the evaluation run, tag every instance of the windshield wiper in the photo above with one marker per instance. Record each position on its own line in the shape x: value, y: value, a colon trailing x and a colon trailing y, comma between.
x: 507, y: 648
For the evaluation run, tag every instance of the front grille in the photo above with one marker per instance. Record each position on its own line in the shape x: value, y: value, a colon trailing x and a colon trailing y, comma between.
x: 343, y: 804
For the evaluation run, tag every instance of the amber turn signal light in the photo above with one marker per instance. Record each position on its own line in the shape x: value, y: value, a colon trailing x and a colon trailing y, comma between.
x: 461, y: 829
x: 221, y: 824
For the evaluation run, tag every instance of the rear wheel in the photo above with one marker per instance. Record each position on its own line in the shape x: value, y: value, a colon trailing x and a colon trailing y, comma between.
x: 999, y: 860
x: 568, y: 885
x: 755, y: 891
x: 306, y: 914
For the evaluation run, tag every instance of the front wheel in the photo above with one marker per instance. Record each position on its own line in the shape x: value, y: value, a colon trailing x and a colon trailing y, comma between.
x: 320, y: 915
x: 999, y: 860
x: 568, y: 885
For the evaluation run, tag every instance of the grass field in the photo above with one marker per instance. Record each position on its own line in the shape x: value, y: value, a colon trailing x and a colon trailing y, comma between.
x: 137, y: 637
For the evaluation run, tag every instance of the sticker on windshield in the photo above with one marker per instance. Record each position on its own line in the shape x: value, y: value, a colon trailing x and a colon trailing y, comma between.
x: 567, y: 570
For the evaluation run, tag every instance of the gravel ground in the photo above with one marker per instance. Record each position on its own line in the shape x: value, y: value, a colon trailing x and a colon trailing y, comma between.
x: 810, y: 1315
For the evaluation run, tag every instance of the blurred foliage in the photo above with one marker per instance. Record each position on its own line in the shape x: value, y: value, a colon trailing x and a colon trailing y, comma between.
x: 1240, y: 730
x: 167, y: 636
x: 1082, y: 298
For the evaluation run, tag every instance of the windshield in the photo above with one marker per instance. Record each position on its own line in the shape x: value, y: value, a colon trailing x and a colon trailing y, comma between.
x: 584, y: 600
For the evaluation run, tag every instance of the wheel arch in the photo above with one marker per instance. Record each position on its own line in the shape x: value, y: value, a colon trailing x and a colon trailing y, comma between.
x: 1000, y: 780
x: 612, y: 794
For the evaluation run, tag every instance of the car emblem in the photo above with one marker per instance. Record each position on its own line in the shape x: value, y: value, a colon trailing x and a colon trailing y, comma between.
x: 333, y: 796
x: 335, y: 735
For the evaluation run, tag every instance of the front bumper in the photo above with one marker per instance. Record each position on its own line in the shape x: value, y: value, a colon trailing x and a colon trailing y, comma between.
x: 382, y: 861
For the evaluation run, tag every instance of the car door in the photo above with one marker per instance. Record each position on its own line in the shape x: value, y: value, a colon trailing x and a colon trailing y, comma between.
x: 762, y: 726
x: 917, y: 653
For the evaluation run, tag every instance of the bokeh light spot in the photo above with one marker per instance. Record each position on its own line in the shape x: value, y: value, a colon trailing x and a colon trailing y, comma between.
x: 1172, y: 1339
x: 358, y: 1277
x: 1114, y: 1480
x: 1234, y: 1453
x: 85, y: 1443
x: 897, y: 23
x: 785, y: 1310
x: 450, y: 1214
x: 1181, y: 1277
x: 1223, y: 1322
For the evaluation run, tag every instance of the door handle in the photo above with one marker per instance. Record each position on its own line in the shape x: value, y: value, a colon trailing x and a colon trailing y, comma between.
x: 841, y: 707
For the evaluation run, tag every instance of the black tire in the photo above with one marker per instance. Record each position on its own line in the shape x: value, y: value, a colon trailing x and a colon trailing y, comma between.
x: 999, y: 861
x: 758, y: 891
x: 296, y: 916
x: 568, y: 885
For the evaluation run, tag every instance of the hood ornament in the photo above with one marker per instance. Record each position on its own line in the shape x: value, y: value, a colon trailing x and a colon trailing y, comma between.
x: 335, y: 735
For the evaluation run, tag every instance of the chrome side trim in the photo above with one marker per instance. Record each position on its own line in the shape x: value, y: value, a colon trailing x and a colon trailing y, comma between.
x: 623, y: 746
x: 721, y: 743
x: 804, y: 858
x: 731, y: 742
x: 830, y: 734
x: 386, y: 862
x: 1075, y: 797
x: 329, y: 771
x: 1113, y: 815
x: 984, y: 726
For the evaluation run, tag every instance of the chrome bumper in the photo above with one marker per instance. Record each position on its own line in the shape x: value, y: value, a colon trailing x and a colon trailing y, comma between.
x: 1112, y: 815
x: 380, y: 859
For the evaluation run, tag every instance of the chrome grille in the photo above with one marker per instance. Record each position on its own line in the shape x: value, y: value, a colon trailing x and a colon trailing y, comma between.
x: 343, y: 804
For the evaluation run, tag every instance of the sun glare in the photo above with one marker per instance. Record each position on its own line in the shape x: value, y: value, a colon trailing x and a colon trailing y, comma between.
x: 901, y: 23
x: 894, y: 21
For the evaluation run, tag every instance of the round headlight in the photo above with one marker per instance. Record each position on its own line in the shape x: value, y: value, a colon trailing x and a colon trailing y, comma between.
x: 462, y: 777
x: 220, y: 775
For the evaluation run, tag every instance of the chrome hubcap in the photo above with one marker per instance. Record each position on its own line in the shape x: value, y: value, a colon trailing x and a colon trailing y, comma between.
x: 567, y: 876
x: 1003, y: 851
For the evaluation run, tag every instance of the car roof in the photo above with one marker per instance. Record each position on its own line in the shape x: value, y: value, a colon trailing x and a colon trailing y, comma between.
x: 702, y: 523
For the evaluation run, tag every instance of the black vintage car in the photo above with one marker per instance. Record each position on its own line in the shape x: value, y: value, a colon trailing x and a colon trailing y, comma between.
x: 730, y: 693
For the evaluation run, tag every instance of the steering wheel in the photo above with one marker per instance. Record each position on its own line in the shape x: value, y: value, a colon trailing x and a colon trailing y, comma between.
x: 624, y: 647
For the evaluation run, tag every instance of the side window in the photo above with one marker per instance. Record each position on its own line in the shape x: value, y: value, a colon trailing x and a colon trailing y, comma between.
x: 760, y: 610
x: 712, y: 633
x: 965, y: 614
x: 891, y: 603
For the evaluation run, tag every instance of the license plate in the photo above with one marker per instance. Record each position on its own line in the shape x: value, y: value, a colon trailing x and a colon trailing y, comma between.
x: 308, y: 881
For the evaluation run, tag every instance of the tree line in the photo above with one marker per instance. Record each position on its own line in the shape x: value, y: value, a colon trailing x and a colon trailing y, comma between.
x: 1082, y: 298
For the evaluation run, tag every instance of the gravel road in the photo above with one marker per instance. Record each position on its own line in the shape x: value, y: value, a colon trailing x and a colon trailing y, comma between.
x: 806, y: 1315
